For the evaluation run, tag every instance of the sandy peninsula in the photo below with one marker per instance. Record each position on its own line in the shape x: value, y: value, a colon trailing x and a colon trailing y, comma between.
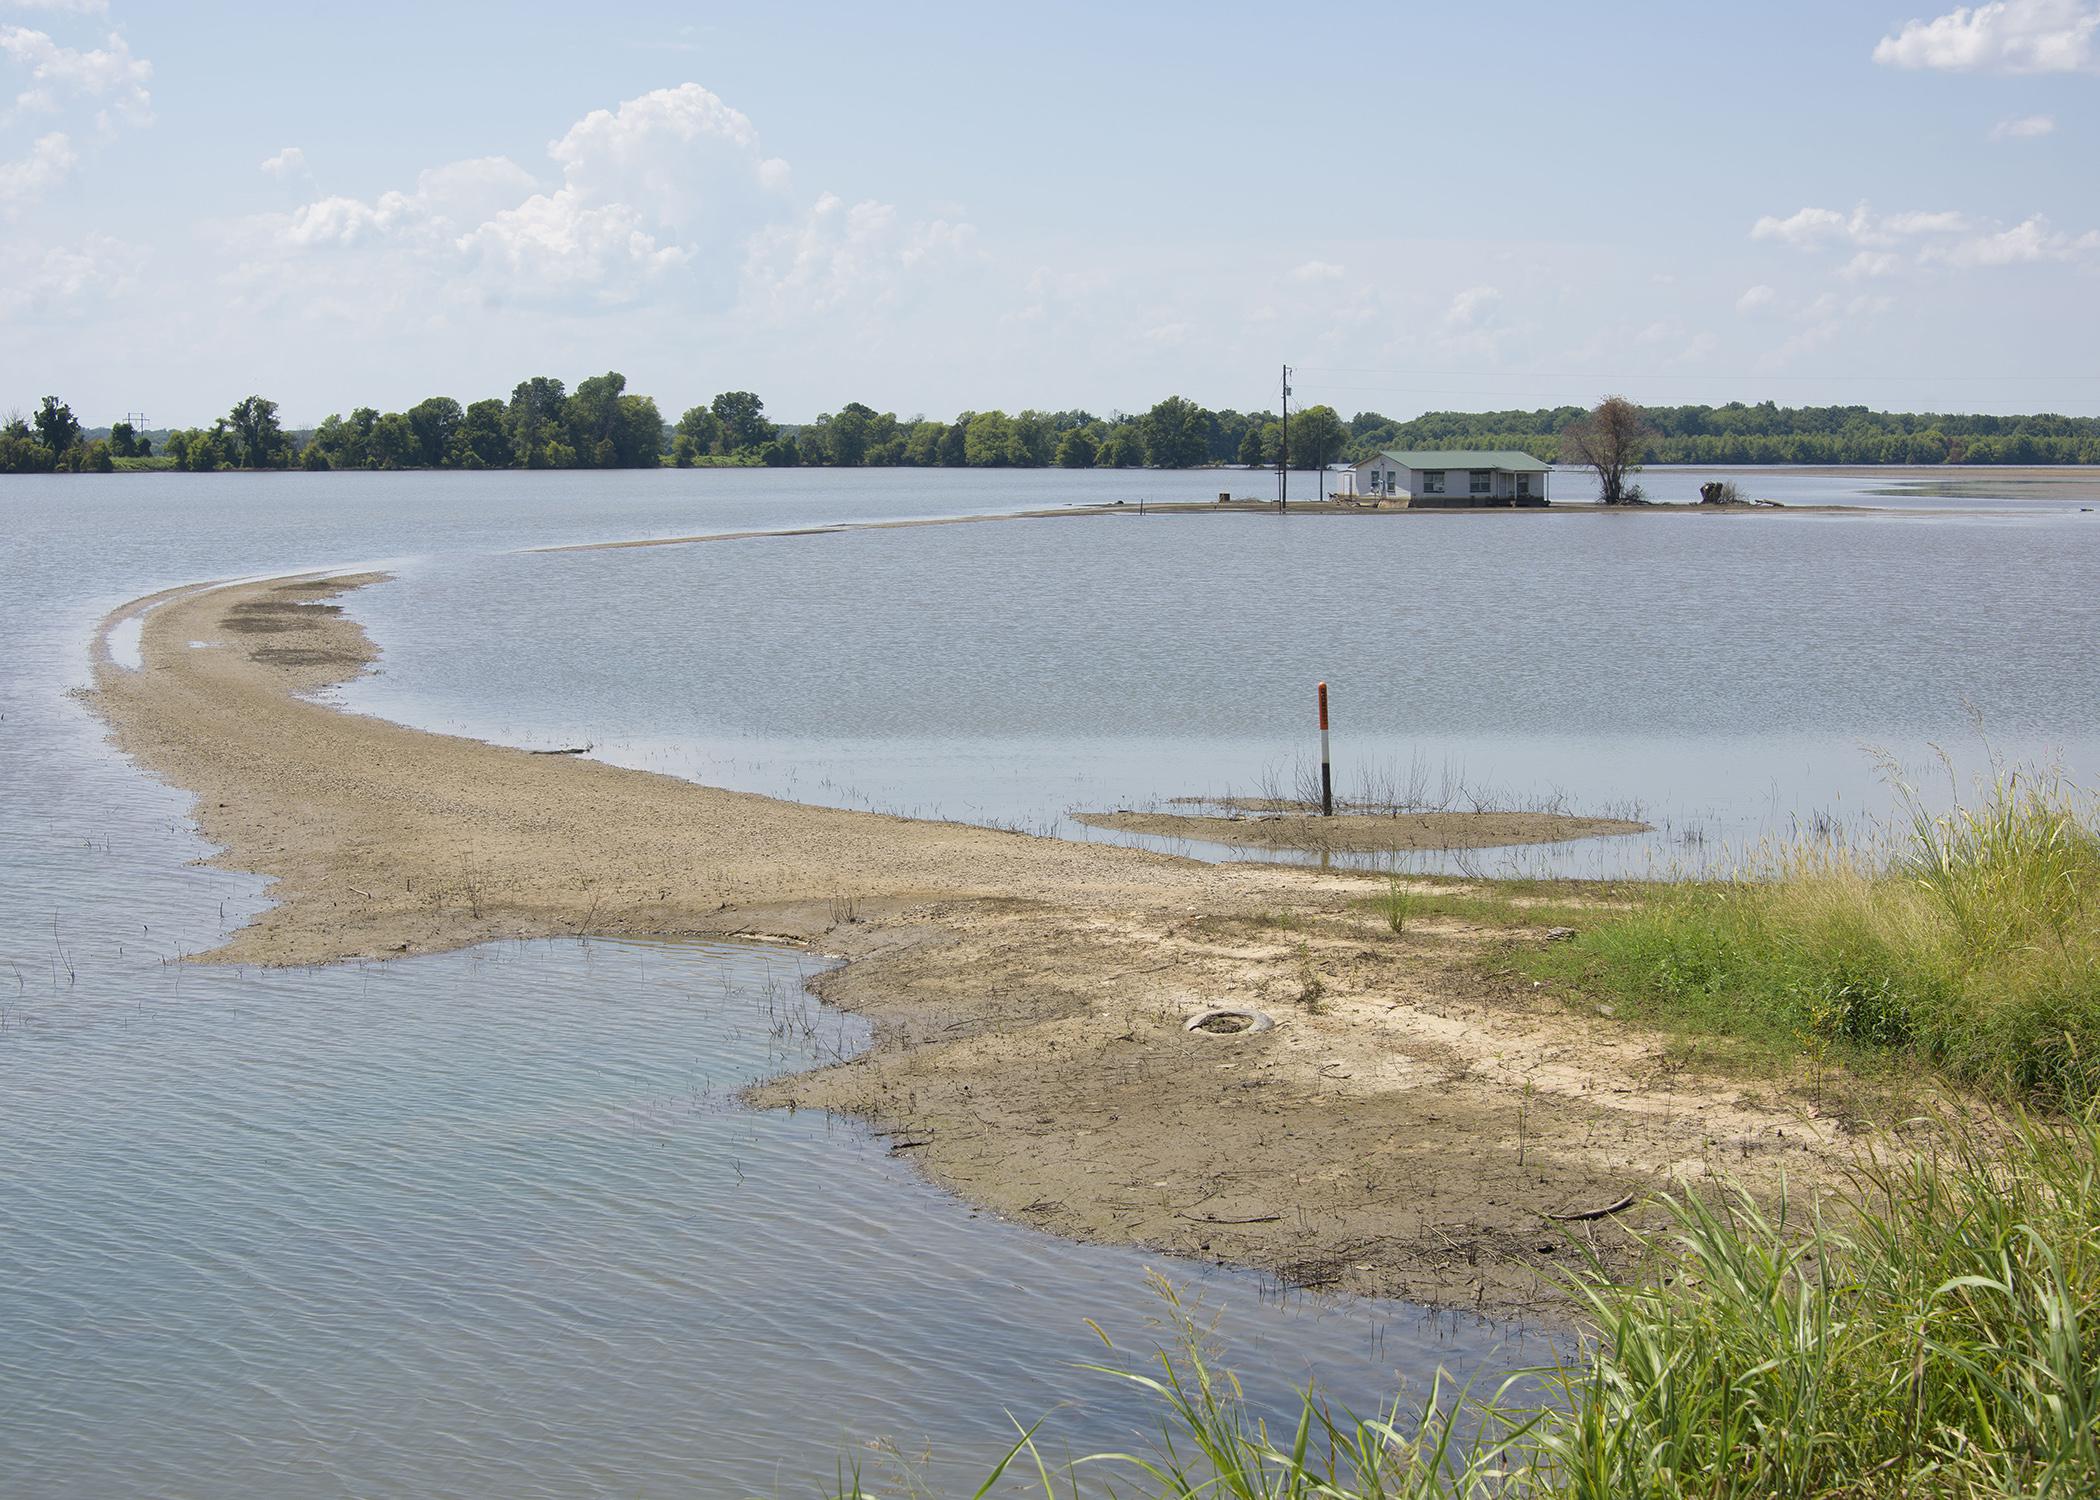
x: 1405, y: 1127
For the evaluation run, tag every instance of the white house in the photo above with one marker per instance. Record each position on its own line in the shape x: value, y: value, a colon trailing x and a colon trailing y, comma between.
x: 1427, y: 479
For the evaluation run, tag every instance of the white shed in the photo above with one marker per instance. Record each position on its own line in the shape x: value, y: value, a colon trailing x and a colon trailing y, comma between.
x: 1455, y: 477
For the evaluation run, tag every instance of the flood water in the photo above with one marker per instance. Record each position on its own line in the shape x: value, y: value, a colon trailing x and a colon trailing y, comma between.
x: 492, y: 1222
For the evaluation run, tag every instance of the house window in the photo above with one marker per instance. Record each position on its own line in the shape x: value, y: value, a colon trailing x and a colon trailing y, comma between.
x: 1432, y: 481
x: 1481, y: 481
x: 1523, y: 484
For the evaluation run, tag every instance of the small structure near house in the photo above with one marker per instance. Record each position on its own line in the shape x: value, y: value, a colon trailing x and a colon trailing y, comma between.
x: 1428, y: 479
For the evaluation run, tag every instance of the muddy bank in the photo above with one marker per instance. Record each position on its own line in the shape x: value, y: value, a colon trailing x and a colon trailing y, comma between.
x: 1364, y: 833
x: 1403, y: 1128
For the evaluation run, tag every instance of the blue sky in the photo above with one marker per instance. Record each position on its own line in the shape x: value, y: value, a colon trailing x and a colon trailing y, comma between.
x: 931, y: 206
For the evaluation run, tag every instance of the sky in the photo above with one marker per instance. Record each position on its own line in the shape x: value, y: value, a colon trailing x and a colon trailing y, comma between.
x: 938, y: 207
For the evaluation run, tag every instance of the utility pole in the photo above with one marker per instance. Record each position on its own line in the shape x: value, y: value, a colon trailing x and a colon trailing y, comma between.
x: 1283, y: 447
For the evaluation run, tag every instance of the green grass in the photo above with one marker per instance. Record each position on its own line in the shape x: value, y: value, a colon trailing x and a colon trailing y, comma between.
x: 1973, y: 946
x: 1936, y: 1333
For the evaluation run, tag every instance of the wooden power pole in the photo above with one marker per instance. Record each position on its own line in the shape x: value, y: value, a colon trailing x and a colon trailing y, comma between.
x: 1283, y: 447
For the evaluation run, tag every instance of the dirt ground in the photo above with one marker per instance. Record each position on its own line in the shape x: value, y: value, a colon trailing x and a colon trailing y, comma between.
x: 1406, y: 1127
x: 1365, y: 833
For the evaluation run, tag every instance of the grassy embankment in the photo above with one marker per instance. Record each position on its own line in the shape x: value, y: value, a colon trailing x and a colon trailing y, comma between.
x: 1936, y: 1332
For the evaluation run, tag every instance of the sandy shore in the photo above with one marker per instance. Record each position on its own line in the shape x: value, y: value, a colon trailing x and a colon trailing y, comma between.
x: 1406, y: 1127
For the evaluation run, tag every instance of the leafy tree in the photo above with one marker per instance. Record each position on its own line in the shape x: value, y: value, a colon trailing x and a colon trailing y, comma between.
x: 955, y: 441
x: 780, y: 453
x: 850, y: 432
x: 1317, y: 437
x: 258, y: 442
x: 56, y: 427
x: 1076, y: 449
x: 743, y: 419
x: 393, y: 443
x: 1034, y: 440
x: 1253, y: 452
x: 922, y: 446
x: 700, y: 430
x: 124, y: 441
x: 436, y: 422
x: 1122, y: 448
x: 1176, y: 433
x: 639, y: 438
x: 21, y: 452
x: 988, y: 440
x: 536, y: 421
x: 1609, y: 441
x: 483, y: 439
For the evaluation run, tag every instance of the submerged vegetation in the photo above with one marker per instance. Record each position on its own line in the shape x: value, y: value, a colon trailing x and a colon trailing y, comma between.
x: 1972, y: 947
x: 1933, y: 1332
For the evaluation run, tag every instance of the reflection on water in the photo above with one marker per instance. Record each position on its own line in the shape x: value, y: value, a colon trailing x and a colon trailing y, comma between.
x: 494, y: 1223
x: 1726, y: 678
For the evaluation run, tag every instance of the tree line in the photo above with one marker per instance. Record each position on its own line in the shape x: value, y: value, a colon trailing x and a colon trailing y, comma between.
x: 600, y: 424
x: 1764, y: 433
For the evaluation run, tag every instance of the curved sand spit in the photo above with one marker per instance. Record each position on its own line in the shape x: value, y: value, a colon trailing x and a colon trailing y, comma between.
x: 1406, y: 1128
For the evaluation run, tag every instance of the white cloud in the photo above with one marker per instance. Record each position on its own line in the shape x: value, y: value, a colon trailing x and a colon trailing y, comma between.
x: 1473, y: 306
x: 2005, y: 36
x: 1808, y: 228
x: 64, y: 7
x: 1317, y: 270
x: 1755, y: 300
x: 51, y: 158
x: 2025, y: 128
x: 61, y: 278
x: 291, y: 159
x: 108, y: 75
x: 2029, y: 242
x: 842, y: 256
x: 1868, y: 264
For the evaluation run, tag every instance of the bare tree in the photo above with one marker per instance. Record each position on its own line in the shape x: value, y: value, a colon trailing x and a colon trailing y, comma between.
x: 1610, y: 441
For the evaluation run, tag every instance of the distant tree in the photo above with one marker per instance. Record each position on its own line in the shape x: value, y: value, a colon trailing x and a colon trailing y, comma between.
x: 258, y: 442
x: 21, y: 452
x: 56, y: 427
x: 955, y: 441
x: 1252, y: 452
x: 1317, y: 437
x: 781, y: 452
x: 1034, y: 440
x: 922, y: 445
x: 699, y: 430
x: 535, y: 415
x: 638, y: 439
x: 1122, y: 447
x: 393, y: 443
x: 436, y: 423
x: 1176, y: 434
x: 1609, y: 442
x: 97, y: 459
x: 124, y: 440
x: 988, y: 440
x: 483, y: 439
x: 849, y: 435
x: 1076, y: 449
x: 743, y: 419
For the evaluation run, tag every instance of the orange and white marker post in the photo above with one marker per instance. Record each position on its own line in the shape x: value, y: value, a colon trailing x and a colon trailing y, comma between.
x: 1326, y: 765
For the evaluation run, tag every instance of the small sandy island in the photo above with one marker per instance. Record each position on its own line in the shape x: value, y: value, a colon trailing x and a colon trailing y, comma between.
x: 1407, y: 1126
x: 1358, y: 832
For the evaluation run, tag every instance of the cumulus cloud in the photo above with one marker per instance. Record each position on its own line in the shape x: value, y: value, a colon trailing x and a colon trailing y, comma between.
x: 2005, y: 36
x: 1473, y: 306
x: 2025, y: 128
x: 60, y: 279
x: 50, y: 160
x: 286, y: 162
x: 2031, y: 241
x: 107, y: 75
x: 669, y: 184
x: 1755, y: 300
x: 842, y: 255
x: 1317, y: 270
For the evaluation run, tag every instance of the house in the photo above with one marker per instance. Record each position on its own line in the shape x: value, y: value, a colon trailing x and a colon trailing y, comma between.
x: 1426, y: 480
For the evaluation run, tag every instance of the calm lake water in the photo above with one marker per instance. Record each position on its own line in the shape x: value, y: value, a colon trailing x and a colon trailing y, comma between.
x: 491, y: 1222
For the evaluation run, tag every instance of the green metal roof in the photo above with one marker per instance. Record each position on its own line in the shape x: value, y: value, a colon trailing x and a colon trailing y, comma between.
x: 1520, y: 463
